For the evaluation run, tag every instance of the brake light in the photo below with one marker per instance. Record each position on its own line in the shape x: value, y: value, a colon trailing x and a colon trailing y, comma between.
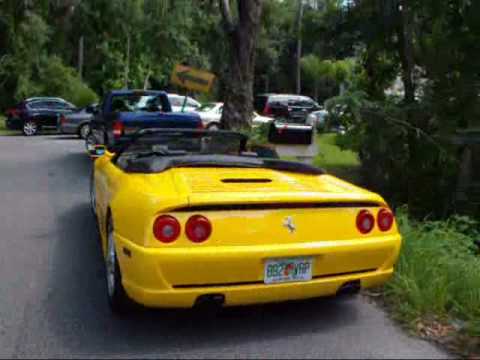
x: 365, y: 221
x: 200, y: 125
x: 198, y: 228
x: 385, y: 219
x: 118, y: 129
x: 63, y: 120
x: 166, y: 228
x: 268, y: 110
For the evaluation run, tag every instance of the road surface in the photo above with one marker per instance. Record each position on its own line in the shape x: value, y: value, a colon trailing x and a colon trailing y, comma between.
x: 53, y: 302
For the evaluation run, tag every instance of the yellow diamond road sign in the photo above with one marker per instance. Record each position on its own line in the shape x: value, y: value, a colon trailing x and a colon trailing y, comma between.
x: 192, y: 79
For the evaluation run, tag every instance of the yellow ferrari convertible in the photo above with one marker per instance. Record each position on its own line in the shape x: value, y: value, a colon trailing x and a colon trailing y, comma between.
x: 189, y: 217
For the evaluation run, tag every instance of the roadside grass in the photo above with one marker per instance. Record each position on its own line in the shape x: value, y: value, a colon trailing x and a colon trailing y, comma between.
x: 3, y: 128
x: 342, y: 163
x: 436, y: 287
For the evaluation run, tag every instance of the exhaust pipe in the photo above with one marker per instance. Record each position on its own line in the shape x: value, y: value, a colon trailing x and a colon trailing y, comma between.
x: 350, y: 288
x: 210, y: 300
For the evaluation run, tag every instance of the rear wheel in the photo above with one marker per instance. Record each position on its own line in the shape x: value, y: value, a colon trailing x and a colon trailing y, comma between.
x: 213, y: 127
x: 30, y: 128
x: 117, y: 297
x: 83, y: 131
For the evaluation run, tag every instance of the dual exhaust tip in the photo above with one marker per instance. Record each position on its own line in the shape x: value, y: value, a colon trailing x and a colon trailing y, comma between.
x: 218, y: 300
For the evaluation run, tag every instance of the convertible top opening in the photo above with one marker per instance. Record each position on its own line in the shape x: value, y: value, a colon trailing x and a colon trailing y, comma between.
x: 158, y: 150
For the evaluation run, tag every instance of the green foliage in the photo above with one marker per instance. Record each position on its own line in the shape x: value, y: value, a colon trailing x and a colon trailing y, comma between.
x: 438, y: 274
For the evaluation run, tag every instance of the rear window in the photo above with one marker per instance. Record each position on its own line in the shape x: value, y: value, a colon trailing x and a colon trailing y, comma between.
x: 136, y: 103
x: 37, y: 105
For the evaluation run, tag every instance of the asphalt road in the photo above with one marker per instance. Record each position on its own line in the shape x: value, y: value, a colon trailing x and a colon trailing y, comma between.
x: 53, y: 302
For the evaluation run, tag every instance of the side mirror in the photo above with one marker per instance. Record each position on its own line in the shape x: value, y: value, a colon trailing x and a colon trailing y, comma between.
x: 97, y: 151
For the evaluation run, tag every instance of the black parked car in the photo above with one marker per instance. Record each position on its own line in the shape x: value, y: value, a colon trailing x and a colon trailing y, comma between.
x: 34, y: 114
x: 291, y: 108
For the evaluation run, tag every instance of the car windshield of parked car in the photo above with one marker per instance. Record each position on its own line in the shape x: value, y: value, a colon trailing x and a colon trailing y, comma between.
x: 135, y: 103
x: 207, y: 107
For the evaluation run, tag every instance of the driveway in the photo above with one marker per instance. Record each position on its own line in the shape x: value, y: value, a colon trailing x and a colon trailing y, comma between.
x: 53, y: 302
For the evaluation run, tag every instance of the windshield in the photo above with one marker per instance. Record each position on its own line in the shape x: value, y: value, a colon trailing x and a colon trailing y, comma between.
x: 135, y: 103
x: 183, y: 142
x: 207, y: 107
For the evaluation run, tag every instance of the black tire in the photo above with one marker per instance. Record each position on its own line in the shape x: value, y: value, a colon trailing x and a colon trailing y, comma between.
x: 84, y: 131
x: 213, y: 126
x: 118, y: 299
x: 30, y: 128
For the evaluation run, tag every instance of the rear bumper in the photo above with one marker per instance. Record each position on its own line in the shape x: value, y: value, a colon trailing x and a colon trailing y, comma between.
x: 157, y: 277
x: 255, y: 293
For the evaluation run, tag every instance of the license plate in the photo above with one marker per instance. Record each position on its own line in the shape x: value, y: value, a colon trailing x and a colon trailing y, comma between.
x: 288, y: 270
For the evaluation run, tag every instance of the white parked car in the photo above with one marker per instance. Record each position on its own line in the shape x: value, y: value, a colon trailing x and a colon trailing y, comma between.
x: 211, y: 113
x: 318, y: 119
x: 176, y: 101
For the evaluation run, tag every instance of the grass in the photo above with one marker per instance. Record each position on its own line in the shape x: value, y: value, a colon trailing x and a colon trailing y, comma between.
x: 437, y: 281
x: 3, y: 128
x: 342, y: 163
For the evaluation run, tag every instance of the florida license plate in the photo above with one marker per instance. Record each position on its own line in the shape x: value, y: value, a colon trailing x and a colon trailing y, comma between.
x: 288, y: 270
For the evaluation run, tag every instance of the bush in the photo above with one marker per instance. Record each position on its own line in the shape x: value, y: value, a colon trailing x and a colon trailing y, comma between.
x: 438, y: 273
x: 59, y: 80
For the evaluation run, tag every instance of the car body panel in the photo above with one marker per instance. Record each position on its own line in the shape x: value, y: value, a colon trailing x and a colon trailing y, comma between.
x: 231, y: 262
x: 71, y: 123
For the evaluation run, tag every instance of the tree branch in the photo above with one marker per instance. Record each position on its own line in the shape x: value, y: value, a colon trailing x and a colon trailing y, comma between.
x: 227, y: 15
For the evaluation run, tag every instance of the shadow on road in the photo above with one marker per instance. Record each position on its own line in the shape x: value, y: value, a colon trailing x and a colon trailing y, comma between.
x: 79, y: 318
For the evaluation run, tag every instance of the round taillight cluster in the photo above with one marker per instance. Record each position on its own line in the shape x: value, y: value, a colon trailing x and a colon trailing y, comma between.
x: 167, y: 229
x: 366, y: 220
x: 198, y: 228
x: 385, y: 219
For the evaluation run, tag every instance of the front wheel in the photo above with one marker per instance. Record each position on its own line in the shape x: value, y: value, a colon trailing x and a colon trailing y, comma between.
x: 84, y: 131
x: 30, y: 128
x: 117, y: 297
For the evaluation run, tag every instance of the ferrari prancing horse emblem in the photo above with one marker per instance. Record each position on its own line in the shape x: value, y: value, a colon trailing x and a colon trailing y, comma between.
x: 288, y: 223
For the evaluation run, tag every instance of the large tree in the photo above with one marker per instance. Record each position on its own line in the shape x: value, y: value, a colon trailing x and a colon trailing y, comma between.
x: 242, y: 31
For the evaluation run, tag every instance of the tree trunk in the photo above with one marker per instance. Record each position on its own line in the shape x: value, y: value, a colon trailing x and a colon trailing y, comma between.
x: 406, y: 51
x: 298, y: 53
x: 81, y: 48
x: 242, y: 35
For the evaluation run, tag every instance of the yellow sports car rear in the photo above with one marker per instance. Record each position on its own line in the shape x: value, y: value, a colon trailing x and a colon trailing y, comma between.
x: 234, y: 230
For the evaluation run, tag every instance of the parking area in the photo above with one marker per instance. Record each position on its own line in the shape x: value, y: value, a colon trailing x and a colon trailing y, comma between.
x: 53, y: 300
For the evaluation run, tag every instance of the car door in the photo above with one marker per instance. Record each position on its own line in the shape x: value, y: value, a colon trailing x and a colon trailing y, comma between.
x: 51, y: 113
x: 39, y: 112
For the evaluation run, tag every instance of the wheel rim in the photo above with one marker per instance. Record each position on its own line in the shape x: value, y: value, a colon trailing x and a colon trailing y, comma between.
x: 89, y: 142
x: 213, y: 127
x: 84, y: 130
x: 110, y: 262
x: 30, y: 128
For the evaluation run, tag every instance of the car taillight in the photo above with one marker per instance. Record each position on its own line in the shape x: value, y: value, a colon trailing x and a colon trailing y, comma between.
x: 385, y: 219
x: 267, y: 111
x: 166, y: 228
x: 118, y: 129
x: 63, y: 120
x: 365, y: 221
x: 200, y: 125
x: 198, y: 228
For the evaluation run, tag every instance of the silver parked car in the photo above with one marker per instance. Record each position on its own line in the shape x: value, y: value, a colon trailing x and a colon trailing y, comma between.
x: 78, y: 122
